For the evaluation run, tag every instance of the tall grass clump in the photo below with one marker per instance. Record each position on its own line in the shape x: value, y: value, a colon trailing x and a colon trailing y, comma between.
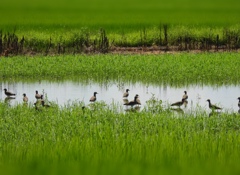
x: 164, y: 37
x: 178, y: 69
x: 73, y: 140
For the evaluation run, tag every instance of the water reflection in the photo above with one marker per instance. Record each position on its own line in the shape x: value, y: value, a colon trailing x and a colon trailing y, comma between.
x: 125, y: 101
x: 135, y: 108
x: 178, y: 110
x: 185, y: 103
x: 214, y: 113
x: 7, y: 100
x: 112, y: 92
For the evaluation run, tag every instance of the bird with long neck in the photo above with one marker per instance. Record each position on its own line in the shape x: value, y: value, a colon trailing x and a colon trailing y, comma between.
x: 94, y: 97
x: 185, y: 96
x: 126, y: 94
x: 8, y: 94
x: 179, y: 103
x: 25, y: 98
x: 136, y: 101
x: 211, y: 106
x: 37, y: 95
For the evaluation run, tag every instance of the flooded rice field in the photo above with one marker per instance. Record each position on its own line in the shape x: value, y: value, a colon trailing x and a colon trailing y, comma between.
x: 112, y: 93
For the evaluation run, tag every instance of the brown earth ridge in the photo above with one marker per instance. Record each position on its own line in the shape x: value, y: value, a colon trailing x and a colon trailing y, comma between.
x: 122, y: 50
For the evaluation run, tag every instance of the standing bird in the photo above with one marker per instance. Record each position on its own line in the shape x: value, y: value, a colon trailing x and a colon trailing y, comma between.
x: 39, y: 100
x: 239, y: 102
x: 43, y: 102
x: 211, y: 106
x: 25, y: 98
x: 136, y: 101
x: 185, y: 96
x: 37, y: 95
x: 126, y: 94
x: 93, y: 98
x: 8, y: 94
x: 179, y: 103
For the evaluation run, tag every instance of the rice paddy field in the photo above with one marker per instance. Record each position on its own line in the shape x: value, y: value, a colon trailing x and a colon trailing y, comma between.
x: 100, y: 140
x: 64, y: 40
x: 177, y: 69
x: 74, y: 141
x: 79, y: 26
x: 105, y: 12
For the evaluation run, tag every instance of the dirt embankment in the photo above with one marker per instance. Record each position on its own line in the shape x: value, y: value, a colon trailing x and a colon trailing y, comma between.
x: 164, y: 50
x: 13, y: 51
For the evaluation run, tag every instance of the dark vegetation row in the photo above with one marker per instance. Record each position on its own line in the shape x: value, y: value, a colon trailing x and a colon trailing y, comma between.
x: 11, y: 44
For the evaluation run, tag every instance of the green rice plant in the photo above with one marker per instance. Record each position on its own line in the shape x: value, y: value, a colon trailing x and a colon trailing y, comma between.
x: 185, y: 25
x: 173, y: 69
x: 74, y: 140
x: 154, y: 105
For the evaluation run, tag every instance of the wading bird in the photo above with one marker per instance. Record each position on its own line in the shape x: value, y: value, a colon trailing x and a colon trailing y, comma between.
x: 179, y: 103
x: 25, y: 98
x: 8, y: 94
x: 185, y: 96
x: 37, y: 95
x: 211, y: 106
x: 125, y: 94
x: 136, y: 101
x: 93, y: 98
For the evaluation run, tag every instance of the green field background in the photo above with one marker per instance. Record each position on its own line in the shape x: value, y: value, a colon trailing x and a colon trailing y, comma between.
x: 114, y: 15
x: 123, y: 20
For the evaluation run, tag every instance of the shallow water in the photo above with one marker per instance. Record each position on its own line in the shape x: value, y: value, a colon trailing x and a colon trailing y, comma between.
x: 68, y: 91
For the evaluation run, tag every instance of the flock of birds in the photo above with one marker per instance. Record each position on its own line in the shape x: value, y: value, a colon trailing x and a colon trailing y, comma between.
x: 136, y: 101
x: 39, y: 98
x: 185, y: 97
